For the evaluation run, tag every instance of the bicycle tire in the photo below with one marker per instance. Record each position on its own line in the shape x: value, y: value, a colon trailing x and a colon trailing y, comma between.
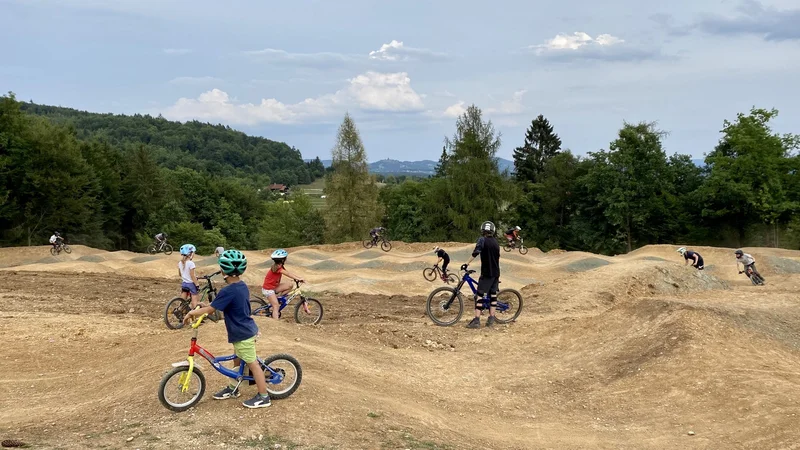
x: 269, y: 362
x: 523, y: 250
x: 434, y: 304
x: 507, y: 248
x: 67, y: 249
x: 170, y: 310
x: 256, y: 304
x: 167, y: 249
x: 53, y: 251
x: 453, y: 278
x: 429, y: 273
x: 162, y: 389
x: 151, y: 249
x: 314, y: 305
x: 506, y: 316
x: 386, y: 246
x: 368, y: 243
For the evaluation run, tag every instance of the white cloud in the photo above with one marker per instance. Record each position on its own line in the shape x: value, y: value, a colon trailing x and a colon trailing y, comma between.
x: 371, y: 91
x: 176, y: 51
x: 509, y: 107
x: 195, y: 80
x: 454, y: 111
x: 318, y: 60
x: 397, y: 51
x: 580, y: 45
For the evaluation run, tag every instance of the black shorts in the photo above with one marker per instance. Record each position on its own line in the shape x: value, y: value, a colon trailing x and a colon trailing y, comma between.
x: 490, y: 285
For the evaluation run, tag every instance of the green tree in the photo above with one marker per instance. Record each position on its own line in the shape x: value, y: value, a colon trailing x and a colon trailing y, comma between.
x: 475, y: 189
x: 541, y: 144
x: 629, y: 183
x: 352, y: 206
x: 441, y: 166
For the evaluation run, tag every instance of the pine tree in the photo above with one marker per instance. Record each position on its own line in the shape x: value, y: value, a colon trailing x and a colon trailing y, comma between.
x: 352, y: 206
x: 541, y: 144
x: 441, y: 167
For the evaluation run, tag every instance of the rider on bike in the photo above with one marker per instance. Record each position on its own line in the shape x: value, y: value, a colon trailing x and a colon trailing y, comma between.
x: 443, y: 256
x: 747, y: 261
x: 512, y: 234
x: 272, y: 282
x: 189, y: 283
x: 234, y: 301
x: 694, y: 257
x: 376, y: 233
x: 219, y: 251
x: 56, y: 240
x: 161, y: 238
x: 489, y: 281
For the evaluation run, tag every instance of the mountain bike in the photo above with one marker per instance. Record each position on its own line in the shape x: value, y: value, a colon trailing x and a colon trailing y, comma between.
x: 184, y: 385
x: 516, y: 244
x: 385, y: 244
x: 432, y: 273
x: 178, y: 307
x: 60, y: 247
x: 158, y: 247
x: 445, y: 305
x: 307, y: 310
x: 756, y: 279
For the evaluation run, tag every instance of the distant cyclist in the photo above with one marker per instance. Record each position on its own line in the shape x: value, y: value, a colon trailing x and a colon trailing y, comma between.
x: 747, y: 261
x: 219, y: 251
x: 161, y: 238
x: 376, y: 233
x: 56, y: 240
x: 692, y: 257
x: 489, y: 281
x: 512, y: 234
x: 443, y: 256
x: 189, y: 283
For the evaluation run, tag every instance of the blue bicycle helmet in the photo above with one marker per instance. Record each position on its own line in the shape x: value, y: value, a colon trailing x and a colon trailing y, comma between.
x: 279, y: 254
x: 187, y: 249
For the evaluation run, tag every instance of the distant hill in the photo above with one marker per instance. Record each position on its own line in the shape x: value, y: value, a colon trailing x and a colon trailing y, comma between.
x: 418, y: 168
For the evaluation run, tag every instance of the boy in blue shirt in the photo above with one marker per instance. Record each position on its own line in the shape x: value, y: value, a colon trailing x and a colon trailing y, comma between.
x: 234, y: 301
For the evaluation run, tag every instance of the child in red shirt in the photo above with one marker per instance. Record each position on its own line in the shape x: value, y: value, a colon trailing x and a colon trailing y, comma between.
x: 272, y: 282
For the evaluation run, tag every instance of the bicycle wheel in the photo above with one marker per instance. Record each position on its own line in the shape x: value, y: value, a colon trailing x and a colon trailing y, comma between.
x: 509, y: 304
x: 258, y: 308
x: 523, y: 250
x: 445, y: 306
x: 452, y: 278
x: 67, y: 249
x: 169, y: 391
x: 368, y: 243
x: 429, y: 273
x: 167, y: 249
x: 308, y: 310
x: 175, y: 311
x: 507, y: 248
x: 151, y: 249
x: 386, y: 246
x: 283, y: 375
x: 53, y: 251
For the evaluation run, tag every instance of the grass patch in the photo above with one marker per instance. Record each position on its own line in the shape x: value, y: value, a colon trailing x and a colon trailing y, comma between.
x: 410, y: 442
x: 586, y: 264
x: 268, y: 442
x: 313, y: 191
x: 373, y: 415
x: 92, y: 258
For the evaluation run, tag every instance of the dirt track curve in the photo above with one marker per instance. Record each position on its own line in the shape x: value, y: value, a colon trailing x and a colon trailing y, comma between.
x: 626, y: 352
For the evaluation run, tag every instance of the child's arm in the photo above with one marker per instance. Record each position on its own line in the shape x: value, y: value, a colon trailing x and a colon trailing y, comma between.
x: 198, y: 312
x: 292, y: 276
x: 194, y: 278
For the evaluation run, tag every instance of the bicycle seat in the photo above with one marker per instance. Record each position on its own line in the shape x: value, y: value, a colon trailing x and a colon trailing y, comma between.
x: 470, y: 271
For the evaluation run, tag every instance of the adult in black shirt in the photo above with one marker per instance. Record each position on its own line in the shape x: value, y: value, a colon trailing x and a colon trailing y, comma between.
x: 443, y: 256
x: 693, y: 257
x: 489, y: 281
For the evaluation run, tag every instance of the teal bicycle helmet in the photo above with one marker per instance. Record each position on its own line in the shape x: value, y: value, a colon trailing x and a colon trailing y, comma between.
x: 233, y: 262
x: 186, y: 249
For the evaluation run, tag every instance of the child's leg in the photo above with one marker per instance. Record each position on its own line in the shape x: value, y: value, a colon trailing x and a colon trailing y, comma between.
x: 283, y: 288
x: 195, y: 298
x: 273, y: 300
x: 258, y: 376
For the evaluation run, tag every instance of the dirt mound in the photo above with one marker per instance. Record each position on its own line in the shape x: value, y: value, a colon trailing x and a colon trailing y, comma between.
x: 146, y: 258
x: 585, y: 264
x: 783, y: 265
x: 92, y: 258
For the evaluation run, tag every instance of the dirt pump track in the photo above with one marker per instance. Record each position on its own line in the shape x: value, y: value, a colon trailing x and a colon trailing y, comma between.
x: 633, y: 351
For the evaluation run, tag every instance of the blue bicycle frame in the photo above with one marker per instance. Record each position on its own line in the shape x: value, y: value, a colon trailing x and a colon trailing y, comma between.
x: 501, y: 306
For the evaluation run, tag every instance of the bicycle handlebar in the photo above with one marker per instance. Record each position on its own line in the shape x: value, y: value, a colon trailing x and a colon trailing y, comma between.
x: 208, y: 277
x: 199, y: 321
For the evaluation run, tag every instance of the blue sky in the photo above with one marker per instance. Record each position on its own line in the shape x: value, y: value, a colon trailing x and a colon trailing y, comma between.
x: 289, y: 70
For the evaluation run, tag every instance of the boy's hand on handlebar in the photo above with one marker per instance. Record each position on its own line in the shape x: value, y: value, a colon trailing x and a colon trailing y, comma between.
x: 464, y: 267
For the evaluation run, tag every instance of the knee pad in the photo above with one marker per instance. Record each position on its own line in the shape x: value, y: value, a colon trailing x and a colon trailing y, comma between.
x: 479, y: 305
x: 493, y: 299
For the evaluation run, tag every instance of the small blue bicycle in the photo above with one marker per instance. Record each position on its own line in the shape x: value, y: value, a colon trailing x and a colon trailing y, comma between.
x: 445, y: 305
x: 308, y: 310
x: 184, y: 385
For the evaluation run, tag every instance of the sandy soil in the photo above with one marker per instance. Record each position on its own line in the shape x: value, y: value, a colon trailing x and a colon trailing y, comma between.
x: 625, y: 352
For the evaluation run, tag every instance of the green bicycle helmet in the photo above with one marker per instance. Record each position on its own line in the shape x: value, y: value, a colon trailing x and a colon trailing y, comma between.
x: 233, y: 262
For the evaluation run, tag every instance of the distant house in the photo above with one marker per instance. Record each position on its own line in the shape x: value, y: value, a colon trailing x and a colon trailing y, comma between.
x: 280, y: 188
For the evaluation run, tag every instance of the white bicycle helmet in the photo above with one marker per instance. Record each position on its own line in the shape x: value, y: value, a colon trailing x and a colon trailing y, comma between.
x: 436, y: 249
x: 682, y: 250
x: 518, y: 228
x: 279, y: 254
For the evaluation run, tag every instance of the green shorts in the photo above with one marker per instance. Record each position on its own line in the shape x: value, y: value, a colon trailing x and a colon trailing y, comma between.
x: 246, y: 350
